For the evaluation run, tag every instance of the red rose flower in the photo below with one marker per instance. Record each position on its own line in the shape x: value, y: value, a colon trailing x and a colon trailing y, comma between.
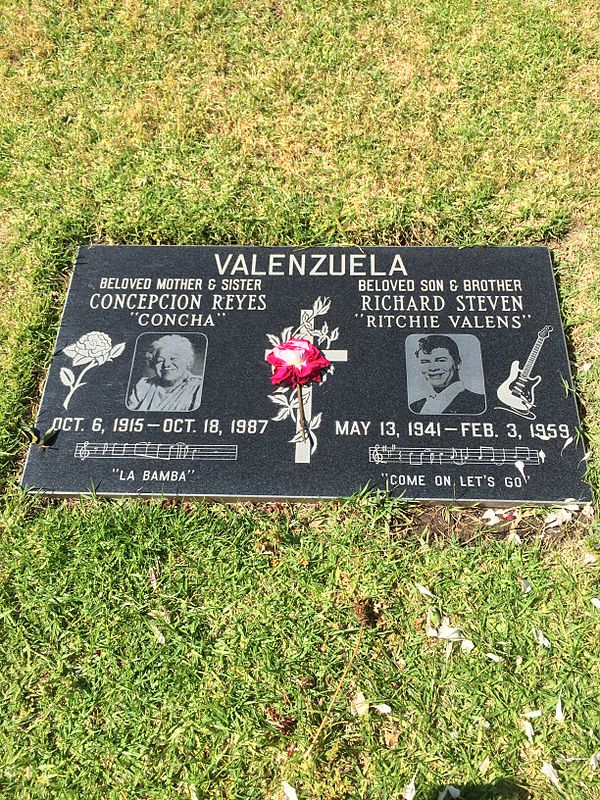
x: 296, y: 362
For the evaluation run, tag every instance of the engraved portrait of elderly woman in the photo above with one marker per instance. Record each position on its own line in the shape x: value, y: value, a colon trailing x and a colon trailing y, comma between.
x: 169, y: 383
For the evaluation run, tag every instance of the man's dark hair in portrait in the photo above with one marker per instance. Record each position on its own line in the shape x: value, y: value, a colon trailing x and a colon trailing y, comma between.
x: 439, y: 361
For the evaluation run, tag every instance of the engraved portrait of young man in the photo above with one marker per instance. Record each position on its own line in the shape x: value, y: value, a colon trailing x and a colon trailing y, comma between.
x: 171, y: 385
x: 440, y: 365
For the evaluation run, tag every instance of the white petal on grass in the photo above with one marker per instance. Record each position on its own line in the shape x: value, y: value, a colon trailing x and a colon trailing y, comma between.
x: 289, y: 793
x: 568, y: 441
x: 425, y: 591
x: 589, y: 558
x: 495, y: 658
x: 446, y: 631
x: 382, y: 708
x: 532, y: 714
x: 514, y: 538
x: 595, y: 602
x: 588, y: 509
x: 559, y: 716
x: 540, y: 638
x: 467, y: 645
x: 449, y: 791
x: 557, y: 518
x: 549, y: 771
x: 484, y: 766
x: 586, y: 367
x: 410, y: 790
x: 571, y: 504
x: 528, y: 730
x: 359, y: 705
x: 595, y: 760
x: 160, y: 639
x: 490, y: 517
x: 520, y: 467
x: 526, y: 586
x: 431, y: 621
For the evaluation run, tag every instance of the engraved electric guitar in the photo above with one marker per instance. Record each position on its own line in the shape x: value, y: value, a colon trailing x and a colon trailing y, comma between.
x: 517, y: 390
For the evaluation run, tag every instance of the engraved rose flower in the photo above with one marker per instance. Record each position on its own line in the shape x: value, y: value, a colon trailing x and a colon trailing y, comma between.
x: 295, y: 363
x: 92, y: 349
x: 95, y: 346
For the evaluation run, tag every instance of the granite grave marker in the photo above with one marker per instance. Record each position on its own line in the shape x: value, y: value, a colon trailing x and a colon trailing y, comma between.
x: 449, y: 376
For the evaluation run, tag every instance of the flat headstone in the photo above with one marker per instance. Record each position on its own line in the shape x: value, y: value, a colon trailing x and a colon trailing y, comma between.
x: 450, y: 379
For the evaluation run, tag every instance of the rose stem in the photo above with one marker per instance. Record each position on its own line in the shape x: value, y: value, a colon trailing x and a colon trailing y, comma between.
x: 301, y: 411
x: 77, y: 384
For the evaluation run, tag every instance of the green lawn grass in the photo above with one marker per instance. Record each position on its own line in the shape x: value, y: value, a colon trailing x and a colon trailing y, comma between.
x: 221, y: 121
x: 154, y: 649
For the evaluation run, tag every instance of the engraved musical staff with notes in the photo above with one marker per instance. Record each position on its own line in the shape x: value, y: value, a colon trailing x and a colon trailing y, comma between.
x: 419, y: 456
x: 179, y: 451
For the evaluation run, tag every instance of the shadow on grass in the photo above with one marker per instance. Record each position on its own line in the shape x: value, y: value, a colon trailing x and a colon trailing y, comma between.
x: 500, y: 789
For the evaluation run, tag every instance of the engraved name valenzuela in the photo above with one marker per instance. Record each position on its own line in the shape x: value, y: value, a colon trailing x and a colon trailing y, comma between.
x: 384, y: 454
x: 164, y: 452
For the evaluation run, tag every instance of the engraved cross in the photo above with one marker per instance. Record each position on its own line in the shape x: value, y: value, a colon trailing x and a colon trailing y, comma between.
x: 304, y: 331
